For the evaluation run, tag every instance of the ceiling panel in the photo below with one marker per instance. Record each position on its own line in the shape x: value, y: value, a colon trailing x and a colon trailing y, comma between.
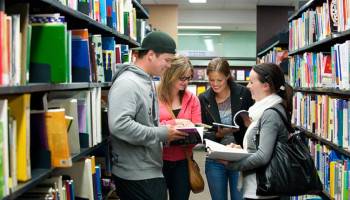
x: 230, y: 14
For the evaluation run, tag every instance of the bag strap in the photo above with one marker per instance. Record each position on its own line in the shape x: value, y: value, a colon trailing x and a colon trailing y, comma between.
x: 287, y: 124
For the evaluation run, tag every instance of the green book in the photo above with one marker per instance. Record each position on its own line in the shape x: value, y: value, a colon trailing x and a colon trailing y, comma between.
x: 49, y: 54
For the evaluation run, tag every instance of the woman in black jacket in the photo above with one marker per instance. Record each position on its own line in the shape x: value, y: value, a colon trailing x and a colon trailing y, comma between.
x: 219, y: 104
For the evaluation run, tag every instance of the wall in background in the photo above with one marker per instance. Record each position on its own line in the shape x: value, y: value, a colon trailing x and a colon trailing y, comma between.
x: 164, y: 18
x: 214, y: 43
x: 270, y: 20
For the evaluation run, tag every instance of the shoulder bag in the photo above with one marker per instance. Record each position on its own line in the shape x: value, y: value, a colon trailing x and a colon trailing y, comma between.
x: 291, y: 170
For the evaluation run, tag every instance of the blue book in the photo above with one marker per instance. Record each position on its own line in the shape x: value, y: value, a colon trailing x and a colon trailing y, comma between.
x: 109, y: 6
x: 103, y: 12
x: 114, y: 15
x: 340, y: 122
x: 108, y: 46
x: 81, y: 70
x: 98, y: 182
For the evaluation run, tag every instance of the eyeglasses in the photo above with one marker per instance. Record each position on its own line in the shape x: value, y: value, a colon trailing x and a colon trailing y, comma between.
x: 185, y: 78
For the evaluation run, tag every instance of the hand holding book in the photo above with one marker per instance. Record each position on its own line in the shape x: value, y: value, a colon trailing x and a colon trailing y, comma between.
x: 221, y: 152
x: 183, y: 123
x: 174, y: 134
x: 194, y: 136
x: 240, y: 115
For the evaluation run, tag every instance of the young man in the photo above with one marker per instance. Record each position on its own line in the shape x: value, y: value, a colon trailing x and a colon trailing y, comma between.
x: 133, y: 119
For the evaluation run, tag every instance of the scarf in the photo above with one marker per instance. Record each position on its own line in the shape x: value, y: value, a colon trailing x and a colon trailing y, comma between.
x: 257, y: 110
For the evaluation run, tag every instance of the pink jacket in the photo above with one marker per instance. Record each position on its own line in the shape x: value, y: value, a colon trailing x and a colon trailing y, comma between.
x: 191, y: 110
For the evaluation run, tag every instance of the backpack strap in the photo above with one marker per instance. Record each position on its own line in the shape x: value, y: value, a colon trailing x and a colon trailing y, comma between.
x: 287, y: 124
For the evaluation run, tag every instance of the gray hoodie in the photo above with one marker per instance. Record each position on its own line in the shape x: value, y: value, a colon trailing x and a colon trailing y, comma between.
x: 133, y: 119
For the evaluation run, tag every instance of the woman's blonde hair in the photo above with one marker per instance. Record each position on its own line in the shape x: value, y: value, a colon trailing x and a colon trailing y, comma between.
x: 179, y: 66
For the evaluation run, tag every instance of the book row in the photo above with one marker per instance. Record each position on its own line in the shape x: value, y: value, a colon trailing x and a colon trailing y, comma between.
x: 47, y: 134
x: 333, y: 170
x: 241, y: 74
x: 83, y: 181
x: 326, y: 116
x: 322, y: 69
x: 120, y: 15
x: 47, y: 52
x: 319, y: 23
x: 276, y: 55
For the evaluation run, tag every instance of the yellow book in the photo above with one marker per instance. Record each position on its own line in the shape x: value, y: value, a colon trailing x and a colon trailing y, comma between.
x: 312, y: 119
x: 20, y: 110
x: 200, y: 89
x: 332, y: 179
x: 93, y: 164
x: 57, y: 137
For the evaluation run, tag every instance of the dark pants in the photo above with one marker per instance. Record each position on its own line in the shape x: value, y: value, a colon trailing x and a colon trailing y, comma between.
x: 177, y: 179
x: 149, y: 189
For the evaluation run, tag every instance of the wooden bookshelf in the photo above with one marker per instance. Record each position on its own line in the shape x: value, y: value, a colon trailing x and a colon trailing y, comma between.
x: 141, y: 12
x: 76, y: 19
x: 279, y: 40
x: 324, y: 91
x: 322, y: 140
x: 39, y: 175
x: 306, y: 6
x: 43, y: 87
x: 323, y: 45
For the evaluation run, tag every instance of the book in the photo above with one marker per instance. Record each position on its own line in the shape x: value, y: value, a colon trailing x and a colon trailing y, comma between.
x: 242, y: 114
x: 221, y: 152
x: 225, y: 125
x: 49, y: 53
x: 57, y: 137
x: 195, y: 136
x: 20, y: 111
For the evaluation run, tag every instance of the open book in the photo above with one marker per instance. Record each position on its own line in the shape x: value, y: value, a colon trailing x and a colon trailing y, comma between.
x: 222, y: 152
x: 195, y: 136
x: 243, y: 114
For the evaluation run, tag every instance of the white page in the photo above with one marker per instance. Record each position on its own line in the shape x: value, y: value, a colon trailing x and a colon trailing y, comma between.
x: 222, y: 152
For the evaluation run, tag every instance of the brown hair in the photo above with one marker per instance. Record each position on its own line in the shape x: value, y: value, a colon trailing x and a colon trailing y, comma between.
x: 179, y: 66
x: 220, y: 65
x: 272, y: 74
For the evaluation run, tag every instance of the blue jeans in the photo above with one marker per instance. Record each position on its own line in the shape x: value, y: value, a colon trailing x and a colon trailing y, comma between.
x: 218, y: 177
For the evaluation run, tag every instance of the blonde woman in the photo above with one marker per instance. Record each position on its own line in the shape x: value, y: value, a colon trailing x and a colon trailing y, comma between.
x: 177, y: 106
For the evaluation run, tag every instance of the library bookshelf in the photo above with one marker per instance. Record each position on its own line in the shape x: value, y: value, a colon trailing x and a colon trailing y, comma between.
x: 17, y: 18
x: 319, y: 71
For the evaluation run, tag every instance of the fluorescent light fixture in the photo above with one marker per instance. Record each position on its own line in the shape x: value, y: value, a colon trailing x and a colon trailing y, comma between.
x: 199, y: 34
x: 197, y: 1
x: 200, y: 27
x: 209, y: 44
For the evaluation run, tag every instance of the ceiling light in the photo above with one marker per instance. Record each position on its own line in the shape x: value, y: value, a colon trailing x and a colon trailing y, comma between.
x: 197, y: 1
x: 209, y: 44
x: 200, y: 27
x: 199, y: 34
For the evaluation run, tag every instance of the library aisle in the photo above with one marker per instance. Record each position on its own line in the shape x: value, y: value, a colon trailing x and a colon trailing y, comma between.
x: 199, y: 156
